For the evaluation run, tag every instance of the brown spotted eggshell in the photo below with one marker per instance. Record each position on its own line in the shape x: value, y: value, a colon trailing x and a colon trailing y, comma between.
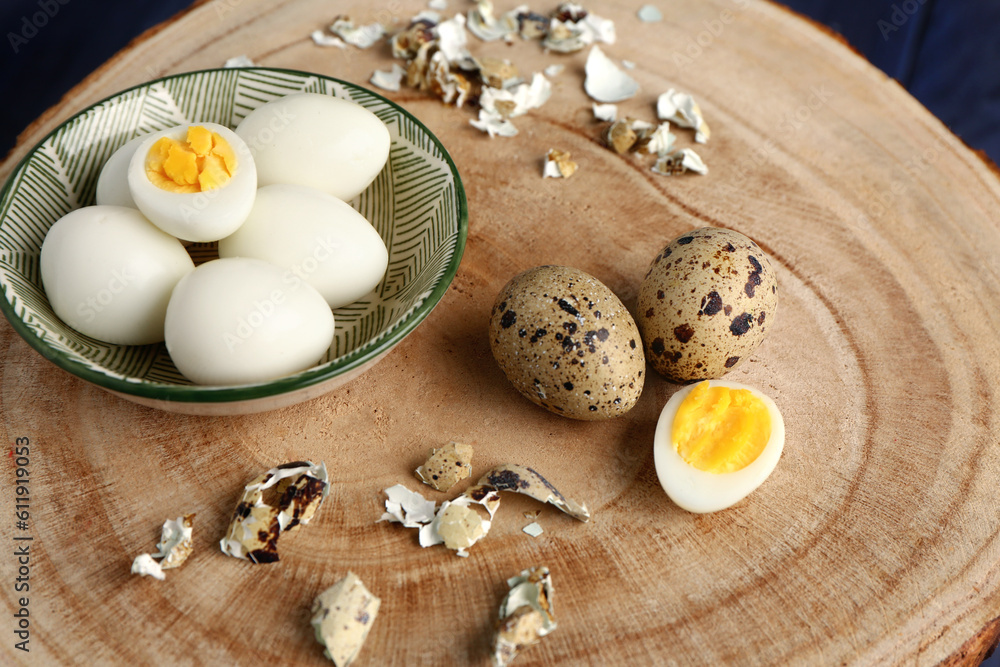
x: 706, y: 303
x: 567, y: 343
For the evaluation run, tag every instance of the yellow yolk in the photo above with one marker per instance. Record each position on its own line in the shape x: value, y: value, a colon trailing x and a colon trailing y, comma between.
x: 203, y: 161
x: 718, y: 429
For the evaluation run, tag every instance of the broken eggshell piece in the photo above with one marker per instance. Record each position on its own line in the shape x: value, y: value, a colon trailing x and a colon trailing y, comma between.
x: 522, y: 479
x: 572, y: 27
x: 175, y: 543
x: 681, y: 109
x: 604, y: 81
x: 277, y: 502
x: 446, y: 466
x: 407, y: 507
x: 605, y: 112
x: 457, y: 523
x: 680, y: 162
x: 558, y: 164
x: 342, y: 617
x: 173, y: 549
x: 534, y: 529
x: 145, y: 565
x: 362, y: 37
x: 526, y: 614
x: 388, y: 79
x: 486, y: 26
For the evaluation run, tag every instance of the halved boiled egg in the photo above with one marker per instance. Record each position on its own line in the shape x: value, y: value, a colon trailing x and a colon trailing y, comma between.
x: 195, y: 182
x: 715, y: 443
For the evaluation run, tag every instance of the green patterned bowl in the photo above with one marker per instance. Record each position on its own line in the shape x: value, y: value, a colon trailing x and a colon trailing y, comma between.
x: 417, y: 204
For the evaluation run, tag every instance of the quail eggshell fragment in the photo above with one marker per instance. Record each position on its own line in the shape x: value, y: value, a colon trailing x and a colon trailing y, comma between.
x: 109, y: 273
x: 527, y: 481
x: 275, y: 503
x: 342, y: 618
x: 567, y: 343
x: 320, y: 141
x: 705, y: 304
x: 604, y: 81
x: 146, y: 566
x: 526, y: 615
x: 175, y: 543
x: 447, y: 466
x: 319, y: 238
x: 195, y: 216
x: 699, y: 491
x: 407, y: 507
x: 172, y: 550
x: 240, y: 321
x: 457, y: 523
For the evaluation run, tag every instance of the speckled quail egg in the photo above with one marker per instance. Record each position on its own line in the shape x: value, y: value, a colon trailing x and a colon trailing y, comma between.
x: 567, y: 343
x: 706, y: 303
x: 715, y: 443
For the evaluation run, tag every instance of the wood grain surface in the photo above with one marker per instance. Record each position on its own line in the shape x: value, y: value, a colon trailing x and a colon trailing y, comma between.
x: 875, y: 541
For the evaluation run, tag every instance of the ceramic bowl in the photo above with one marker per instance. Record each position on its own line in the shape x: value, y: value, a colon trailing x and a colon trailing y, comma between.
x: 417, y: 204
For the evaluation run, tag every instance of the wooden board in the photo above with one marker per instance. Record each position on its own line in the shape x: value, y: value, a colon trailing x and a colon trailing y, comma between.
x: 874, y: 542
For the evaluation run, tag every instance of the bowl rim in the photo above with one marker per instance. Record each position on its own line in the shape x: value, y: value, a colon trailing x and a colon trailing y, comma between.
x: 234, y: 393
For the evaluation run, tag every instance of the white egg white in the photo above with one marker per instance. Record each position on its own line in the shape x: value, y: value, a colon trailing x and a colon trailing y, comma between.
x: 699, y: 491
x: 318, y: 237
x: 196, y: 216
x: 319, y: 141
x: 112, y: 184
x: 108, y: 273
x: 241, y: 321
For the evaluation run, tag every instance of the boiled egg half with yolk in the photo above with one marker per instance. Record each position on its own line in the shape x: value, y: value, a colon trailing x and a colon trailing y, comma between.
x: 715, y: 443
x: 195, y: 182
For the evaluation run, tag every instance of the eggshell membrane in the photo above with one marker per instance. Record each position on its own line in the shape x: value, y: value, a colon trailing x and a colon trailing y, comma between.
x: 319, y: 141
x: 241, y: 321
x: 318, y: 237
x: 108, y: 273
x: 699, y: 491
x: 196, y: 216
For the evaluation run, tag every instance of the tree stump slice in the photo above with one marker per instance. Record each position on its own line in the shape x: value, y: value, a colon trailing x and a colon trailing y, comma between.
x: 875, y: 541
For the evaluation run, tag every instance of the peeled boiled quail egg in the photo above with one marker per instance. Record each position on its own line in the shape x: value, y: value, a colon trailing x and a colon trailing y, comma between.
x: 112, y: 184
x: 108, y: 273
x: 715, y: 442
x: 316, y: 236
x: 195, y: 182
x: 240, y: 320
x: 320, y: 141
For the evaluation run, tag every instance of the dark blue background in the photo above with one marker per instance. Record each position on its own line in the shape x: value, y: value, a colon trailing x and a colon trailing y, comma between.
x: 946, y: 52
